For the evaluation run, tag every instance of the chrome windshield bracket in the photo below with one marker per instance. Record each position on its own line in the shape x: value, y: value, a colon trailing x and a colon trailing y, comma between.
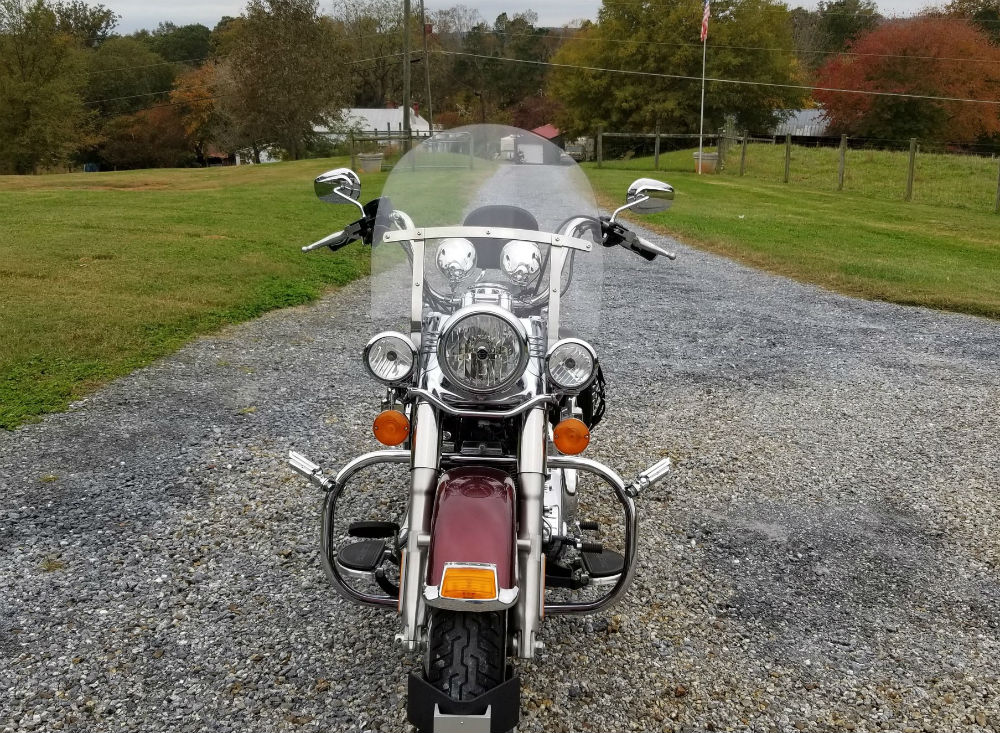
x: 499, y: 233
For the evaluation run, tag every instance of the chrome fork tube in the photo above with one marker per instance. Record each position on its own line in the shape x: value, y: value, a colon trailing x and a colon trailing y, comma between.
x: 531, y: 489
x: 423, y: 483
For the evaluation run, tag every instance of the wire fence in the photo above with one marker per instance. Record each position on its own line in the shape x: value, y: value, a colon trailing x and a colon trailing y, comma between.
x: 928, y: 171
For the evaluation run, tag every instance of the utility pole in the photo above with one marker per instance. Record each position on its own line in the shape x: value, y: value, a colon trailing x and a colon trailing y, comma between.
x: 427, y: 69
x: 406, y: 74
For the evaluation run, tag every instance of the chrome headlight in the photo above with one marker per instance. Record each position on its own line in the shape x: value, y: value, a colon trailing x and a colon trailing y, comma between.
x: 521, y: 261
x: 390, y: 357
x: 483, y: 349
x: 571, y: 364
x: 456, y: 258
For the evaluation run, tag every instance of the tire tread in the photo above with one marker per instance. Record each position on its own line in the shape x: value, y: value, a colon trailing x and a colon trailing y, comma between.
x: 465, y: 653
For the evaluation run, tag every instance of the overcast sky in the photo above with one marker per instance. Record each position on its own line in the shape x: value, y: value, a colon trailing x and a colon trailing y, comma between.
x: 144, y: 14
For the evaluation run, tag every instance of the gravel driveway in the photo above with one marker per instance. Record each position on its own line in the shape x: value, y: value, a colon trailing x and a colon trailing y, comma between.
x: 825, y: 556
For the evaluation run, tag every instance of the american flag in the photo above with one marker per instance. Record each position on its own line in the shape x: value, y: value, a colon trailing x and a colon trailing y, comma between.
x: 704, y: 21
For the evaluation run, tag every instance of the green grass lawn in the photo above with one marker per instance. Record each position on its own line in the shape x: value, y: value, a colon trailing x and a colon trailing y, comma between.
x: 911, y: 253
x: 965, y: 182
x: 102, y: 273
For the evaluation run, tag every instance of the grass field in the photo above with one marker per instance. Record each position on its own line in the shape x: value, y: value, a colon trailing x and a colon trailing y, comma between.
x: 102, y: 273
x: 854, y: 243
x: 956, y: 181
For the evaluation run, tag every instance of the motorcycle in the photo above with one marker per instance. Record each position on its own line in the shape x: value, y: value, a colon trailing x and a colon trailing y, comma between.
x: 491, y: 275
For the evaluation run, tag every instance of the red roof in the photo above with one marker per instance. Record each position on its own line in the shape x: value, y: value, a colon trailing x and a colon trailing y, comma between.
x: 549, y: 132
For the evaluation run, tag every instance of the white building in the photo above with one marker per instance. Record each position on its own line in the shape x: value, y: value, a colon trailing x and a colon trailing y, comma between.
x: 377, y: 120
x: 365, y: 120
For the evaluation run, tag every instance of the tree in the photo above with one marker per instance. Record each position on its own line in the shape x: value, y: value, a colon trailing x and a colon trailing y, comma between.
x: 124, y: 76
x: 483, y: 71
x: 532, y: 112
x: 90, y: 25
x: 984, y: 14
x: 194, y: 96
x: 43, y: 119
x: 286, y: 72
x: 749, y: 40
x: 918, y: 57
x: 185, y: 43
x: 808, y: 38
x: 842, y: 21
x: 150, y: 138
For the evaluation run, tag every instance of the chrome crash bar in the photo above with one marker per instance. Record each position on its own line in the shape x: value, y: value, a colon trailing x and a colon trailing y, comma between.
x: 631, y: 527
x: 333, y: 489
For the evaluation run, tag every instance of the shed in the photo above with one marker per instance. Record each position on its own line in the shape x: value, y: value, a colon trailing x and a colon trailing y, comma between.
x: 803, y: 123
x: 551, y: 133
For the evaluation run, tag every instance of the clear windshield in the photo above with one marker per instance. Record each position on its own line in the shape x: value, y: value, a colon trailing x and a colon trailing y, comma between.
x: 486, y: 178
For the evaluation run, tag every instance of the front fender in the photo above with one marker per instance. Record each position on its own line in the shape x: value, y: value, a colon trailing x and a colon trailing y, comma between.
x: 474, y: 522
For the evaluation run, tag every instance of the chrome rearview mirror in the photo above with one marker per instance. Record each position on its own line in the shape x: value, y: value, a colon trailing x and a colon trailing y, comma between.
x: 339, y: 186
x: 647, y: 196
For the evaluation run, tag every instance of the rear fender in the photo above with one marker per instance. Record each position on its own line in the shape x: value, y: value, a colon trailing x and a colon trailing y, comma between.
x: 473, y: 524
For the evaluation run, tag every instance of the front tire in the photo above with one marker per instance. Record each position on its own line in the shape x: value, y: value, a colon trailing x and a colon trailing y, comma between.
x: 465, y: 652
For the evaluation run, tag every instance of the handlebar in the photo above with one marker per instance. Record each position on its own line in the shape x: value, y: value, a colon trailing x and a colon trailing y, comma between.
x: 339, y: 239
x: 333, y: 241
x: 655, y: 249
x: 616, y: 233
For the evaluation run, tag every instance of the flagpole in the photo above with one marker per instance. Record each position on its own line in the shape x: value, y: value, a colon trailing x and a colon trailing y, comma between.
x: 701, y: 131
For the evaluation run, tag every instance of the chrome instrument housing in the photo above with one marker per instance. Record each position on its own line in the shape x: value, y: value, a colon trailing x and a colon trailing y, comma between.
x: 521, y: 262
x: 456, y: 258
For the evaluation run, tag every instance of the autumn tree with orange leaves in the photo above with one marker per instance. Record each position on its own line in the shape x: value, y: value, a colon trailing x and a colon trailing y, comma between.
x: 926, y: 56
x: 195, y: 94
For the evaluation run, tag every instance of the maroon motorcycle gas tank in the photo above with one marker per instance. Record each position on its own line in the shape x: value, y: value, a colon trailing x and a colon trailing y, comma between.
x: 473, y: 522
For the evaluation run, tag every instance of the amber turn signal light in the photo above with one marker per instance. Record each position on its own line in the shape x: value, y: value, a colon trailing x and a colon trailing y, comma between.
x: 571, y: 436
x: 391, y: 427
x: 465, y: 583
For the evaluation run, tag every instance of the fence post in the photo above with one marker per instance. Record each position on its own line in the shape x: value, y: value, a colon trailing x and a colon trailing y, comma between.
x: 843, y: 163
x: 996, y: 206
x: 721, y: 151
x: 743, y: 153
x: 909, y: 174
x: 354, y: 161
x: 788, y: 155
x: 600, y: 147
x: 656, y: 148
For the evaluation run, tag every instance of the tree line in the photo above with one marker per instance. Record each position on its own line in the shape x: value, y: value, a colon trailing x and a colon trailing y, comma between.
x: 74, y: 92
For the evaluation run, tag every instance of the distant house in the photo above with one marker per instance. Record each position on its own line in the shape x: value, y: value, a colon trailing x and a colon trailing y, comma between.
x: 374, y: 120
x: 803, y: 123
x: 377, y: 119
x: 551, y: 133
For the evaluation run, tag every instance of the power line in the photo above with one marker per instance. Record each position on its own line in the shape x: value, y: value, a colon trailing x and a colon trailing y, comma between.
x: 576, y: 37
x: 788, y: 11
x: 149, y: 66
x: 725, y: 81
